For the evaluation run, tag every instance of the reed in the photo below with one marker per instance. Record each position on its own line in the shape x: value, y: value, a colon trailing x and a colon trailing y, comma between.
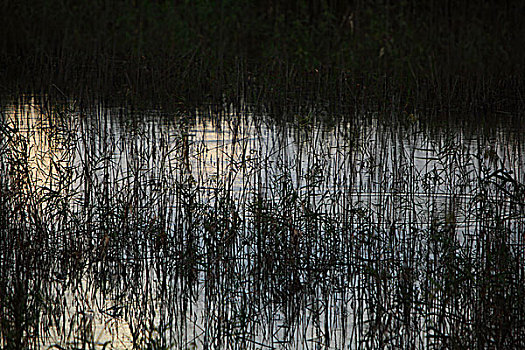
x: 217, y: 229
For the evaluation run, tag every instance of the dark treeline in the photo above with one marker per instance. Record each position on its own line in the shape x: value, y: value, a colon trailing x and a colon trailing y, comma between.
x: 419, y: 55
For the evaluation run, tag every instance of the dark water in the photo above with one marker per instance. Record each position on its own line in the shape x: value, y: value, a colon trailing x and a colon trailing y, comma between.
x: 228, y: 230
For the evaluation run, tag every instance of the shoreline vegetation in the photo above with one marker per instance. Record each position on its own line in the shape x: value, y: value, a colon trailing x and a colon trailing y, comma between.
x: 358, y: 236
x: 124, y: 225
x: 404, y: 56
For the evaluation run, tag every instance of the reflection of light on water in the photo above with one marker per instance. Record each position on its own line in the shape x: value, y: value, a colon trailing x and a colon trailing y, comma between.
x: 88, y: 318
x: 221, y: 156
x: 39, y: 141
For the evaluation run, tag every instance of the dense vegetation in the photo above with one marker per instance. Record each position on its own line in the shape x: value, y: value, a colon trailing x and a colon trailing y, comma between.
x: 405, y: 54
x: 378, y: 215
x: 227, y: 232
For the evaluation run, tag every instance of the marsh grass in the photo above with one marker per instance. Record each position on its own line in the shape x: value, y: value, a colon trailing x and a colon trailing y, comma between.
x: 134, y: 229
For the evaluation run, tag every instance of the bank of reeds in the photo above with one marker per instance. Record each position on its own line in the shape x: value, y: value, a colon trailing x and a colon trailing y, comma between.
x: 266, y: 235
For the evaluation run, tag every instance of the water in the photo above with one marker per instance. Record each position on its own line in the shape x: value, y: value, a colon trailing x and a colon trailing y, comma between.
x: 230, y: 230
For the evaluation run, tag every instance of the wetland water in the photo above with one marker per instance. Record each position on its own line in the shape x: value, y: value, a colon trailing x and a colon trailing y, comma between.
x: 207, y: 230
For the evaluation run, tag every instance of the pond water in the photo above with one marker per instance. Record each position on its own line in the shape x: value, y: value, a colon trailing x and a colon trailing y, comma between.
x: 205, y: 230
